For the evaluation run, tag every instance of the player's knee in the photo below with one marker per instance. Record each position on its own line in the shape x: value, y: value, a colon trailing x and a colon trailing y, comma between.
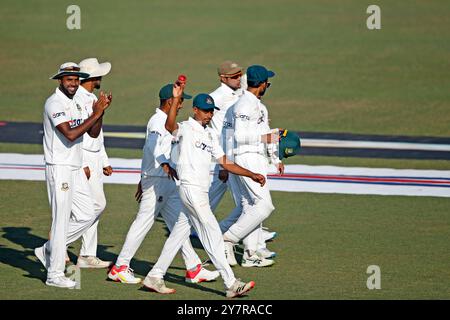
x: 266, y: 208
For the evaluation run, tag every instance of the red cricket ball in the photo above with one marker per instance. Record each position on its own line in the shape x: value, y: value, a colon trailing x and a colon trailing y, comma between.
x: 182, y: 77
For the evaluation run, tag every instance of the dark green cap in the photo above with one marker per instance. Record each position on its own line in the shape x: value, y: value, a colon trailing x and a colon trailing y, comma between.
x: 204, y: 101
x: 258, y: 74
x: 289, y: 144
x: 166, y: 93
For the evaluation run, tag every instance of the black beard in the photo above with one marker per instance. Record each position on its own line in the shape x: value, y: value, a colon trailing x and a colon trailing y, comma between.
x: 262, y: 93
x: 64, y: 90
x: 97, y: 86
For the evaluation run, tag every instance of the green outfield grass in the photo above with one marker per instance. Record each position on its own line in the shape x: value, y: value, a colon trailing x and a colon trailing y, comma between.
x: 333, y: 74
x: 325, y: 244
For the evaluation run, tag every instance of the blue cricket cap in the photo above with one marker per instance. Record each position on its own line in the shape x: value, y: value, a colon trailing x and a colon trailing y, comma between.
x: 257, y: 73
x: 204, y: 101
x: 166, y: 93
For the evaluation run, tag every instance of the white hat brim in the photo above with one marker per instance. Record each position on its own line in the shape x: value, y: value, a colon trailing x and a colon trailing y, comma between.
x: 102, y: 70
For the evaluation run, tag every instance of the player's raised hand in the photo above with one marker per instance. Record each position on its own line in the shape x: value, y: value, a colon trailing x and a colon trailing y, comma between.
x: 177, y: 90
x: 259, y: 178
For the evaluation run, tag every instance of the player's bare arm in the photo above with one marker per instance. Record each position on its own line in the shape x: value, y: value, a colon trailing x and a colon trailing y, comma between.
x: 238, y: 170
x: 171, y: 122
x: 74, y: 133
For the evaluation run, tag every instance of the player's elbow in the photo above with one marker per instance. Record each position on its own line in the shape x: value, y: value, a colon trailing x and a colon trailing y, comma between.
x: 71, y: 136
x: 169, y: 127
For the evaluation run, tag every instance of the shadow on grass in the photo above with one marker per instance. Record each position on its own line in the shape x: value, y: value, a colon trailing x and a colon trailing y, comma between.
x: 23, y: 259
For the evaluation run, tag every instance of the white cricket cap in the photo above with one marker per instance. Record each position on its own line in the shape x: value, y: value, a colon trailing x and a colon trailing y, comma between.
x: 94, y: 69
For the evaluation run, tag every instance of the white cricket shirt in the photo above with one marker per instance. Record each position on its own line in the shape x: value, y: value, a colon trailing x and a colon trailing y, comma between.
x: 251, y: 121
x: 197, y: 148
x: 157, y: 147
x: 86, y: 100
x: 224, y: 97
x: 57, y: 148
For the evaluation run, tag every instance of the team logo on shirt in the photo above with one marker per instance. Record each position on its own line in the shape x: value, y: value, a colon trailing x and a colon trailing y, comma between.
x: 242, y: 117
x: 203, y: 146
x: 227, y: 124
x: 58, y: 114
x: 65, y: 186
x: 75, y: 122
x: 261, y: 118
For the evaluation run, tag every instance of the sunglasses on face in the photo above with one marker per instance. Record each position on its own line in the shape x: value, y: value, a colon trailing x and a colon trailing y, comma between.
x: 268, y: 84
x: 236, y: 76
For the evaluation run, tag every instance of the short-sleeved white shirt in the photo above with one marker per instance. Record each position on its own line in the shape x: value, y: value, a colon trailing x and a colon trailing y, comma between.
x: 57, y: 148
x: 157, y: 147
x: 197, y: 147
x: 224, y: 97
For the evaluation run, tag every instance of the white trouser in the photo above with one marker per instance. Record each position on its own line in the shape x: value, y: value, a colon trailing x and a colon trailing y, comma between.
x: 199, y: 215
x: 256, y: 202
x: 160, y: 195
x: 89, y: 238
x: 216, y: 193
x: 72, y: 212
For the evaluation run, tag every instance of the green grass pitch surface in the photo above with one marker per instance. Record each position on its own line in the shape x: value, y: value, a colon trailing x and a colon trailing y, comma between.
x: 333, y: 75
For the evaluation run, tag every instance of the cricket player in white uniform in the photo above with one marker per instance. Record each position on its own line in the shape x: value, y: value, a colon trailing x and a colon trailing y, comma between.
x: 224, y: 97
x: 158, y: 193
x: 255, y: 148
x: 197, y: 148
x: 95, y: 161
x: 68, y: 192
x: 222, y: 123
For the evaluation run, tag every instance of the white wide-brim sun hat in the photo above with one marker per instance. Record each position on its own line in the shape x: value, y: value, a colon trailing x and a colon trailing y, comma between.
x: 70, y: 69
x: 93, y: 68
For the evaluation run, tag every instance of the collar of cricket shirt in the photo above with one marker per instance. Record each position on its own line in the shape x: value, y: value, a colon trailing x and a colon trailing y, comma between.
x: 83, y: 90
x: 228, y: 89
x: 196, y: 124
x: 61, y: 95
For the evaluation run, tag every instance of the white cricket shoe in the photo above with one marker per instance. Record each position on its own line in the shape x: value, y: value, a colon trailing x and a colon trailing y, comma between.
x: 254, y: 260
x: 229, y: 253
x: 269, y: 235
x: 266, y: 253
x: 123, y: 274
x: 200, y: 275
x: 61, y: 282
x: 239, y: 288
x: 157, y: 285
x: 92, y: 262
x: 43, y: 256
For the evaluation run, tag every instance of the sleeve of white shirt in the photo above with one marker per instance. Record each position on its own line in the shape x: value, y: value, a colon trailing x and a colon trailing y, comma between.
x: 104, y: 157
x: 217, y: 151
x: 55, y: 112
x: 245, y: 125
